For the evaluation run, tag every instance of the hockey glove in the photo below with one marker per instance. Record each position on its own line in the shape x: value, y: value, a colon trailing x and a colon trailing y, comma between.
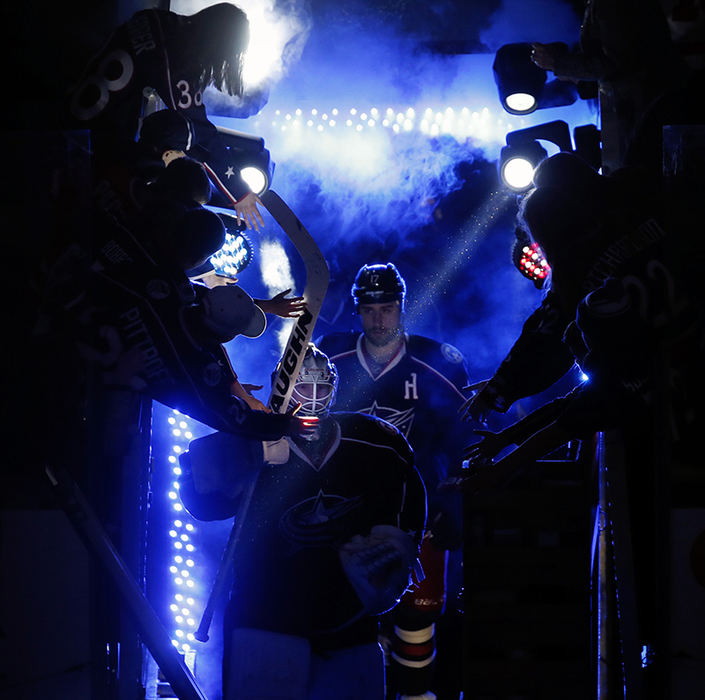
x: 379, y: 566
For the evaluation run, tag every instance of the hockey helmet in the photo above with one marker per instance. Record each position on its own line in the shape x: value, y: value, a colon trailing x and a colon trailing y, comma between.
x: 317, y: 383
x: 378, y: 284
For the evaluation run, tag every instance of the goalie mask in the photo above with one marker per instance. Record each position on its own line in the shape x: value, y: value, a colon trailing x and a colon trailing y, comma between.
x: 316, y: 385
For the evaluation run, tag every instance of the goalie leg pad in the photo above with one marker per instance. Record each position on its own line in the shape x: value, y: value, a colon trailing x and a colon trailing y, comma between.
x: 264, y: 665
x: 352, y: 673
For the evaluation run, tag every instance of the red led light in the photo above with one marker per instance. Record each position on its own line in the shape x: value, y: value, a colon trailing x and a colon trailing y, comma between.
x: 532, y: 263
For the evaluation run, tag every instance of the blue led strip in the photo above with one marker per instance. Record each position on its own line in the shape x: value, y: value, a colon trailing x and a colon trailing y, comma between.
x: 183, y: 555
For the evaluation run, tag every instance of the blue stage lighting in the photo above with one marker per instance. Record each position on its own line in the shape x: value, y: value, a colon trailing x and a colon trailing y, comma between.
x: 183, y: 568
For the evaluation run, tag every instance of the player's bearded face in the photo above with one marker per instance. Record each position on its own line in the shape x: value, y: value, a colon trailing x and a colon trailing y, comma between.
x: 381, y: 323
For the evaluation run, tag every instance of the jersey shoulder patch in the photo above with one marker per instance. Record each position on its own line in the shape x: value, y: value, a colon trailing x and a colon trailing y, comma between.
x: 451, y: 353
x: 443, y: 357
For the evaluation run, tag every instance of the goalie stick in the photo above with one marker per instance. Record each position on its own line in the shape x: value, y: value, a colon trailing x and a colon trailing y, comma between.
x: 317, y: 277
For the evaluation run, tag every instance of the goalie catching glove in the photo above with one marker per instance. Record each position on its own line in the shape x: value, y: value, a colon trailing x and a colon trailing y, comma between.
x: 379, y: 566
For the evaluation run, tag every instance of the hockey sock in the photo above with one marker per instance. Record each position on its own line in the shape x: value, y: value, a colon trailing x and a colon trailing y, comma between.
x: 412, y: 656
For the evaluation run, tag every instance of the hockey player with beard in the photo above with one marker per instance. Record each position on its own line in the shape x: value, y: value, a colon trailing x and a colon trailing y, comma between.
x: 414, y: 383
x: 328, y: 542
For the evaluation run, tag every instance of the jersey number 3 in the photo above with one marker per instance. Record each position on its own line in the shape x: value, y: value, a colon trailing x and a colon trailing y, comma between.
x: 114, y: 72
x: 185, y: 99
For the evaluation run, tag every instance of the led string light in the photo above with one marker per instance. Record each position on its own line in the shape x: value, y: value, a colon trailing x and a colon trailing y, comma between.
x: 183, y: 551
x: 461, y: 123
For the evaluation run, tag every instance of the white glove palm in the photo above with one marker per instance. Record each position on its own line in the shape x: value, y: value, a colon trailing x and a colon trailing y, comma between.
x: 379, y: 566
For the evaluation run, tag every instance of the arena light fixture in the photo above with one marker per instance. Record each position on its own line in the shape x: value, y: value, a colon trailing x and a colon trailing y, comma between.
x: 236, y: 253
x: 248, y: 154
x: 519, y: 81
x: 255, y: 178
x: 529, y: 259
x: 522, y: 85
x: 522, y: 154
x: 257, y: 170
x: 233, y: 257
x: 517, y: 164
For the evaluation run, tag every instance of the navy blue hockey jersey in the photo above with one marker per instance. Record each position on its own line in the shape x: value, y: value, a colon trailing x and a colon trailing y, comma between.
x: 419, y: 392
x: 288, y: 577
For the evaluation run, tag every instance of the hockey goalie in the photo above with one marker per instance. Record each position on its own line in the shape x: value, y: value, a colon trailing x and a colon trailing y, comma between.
x: 328, y: 542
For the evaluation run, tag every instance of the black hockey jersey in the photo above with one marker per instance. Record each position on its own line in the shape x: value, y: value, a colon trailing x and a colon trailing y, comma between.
x: 539, y: 357
x: 139, y: 303
x: 537, y: 360
x: 288, y: 577
x: 146, y: 52
x: 637, y: 333
x: 419, y: 392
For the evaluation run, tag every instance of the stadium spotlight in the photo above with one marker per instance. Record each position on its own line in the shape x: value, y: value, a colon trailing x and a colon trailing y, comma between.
x: 517, y: 164
x: 234, y: 256
x: 523, y: 152
x: 251, y: 157
x: 256, y: 178
x: 522, y: 84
